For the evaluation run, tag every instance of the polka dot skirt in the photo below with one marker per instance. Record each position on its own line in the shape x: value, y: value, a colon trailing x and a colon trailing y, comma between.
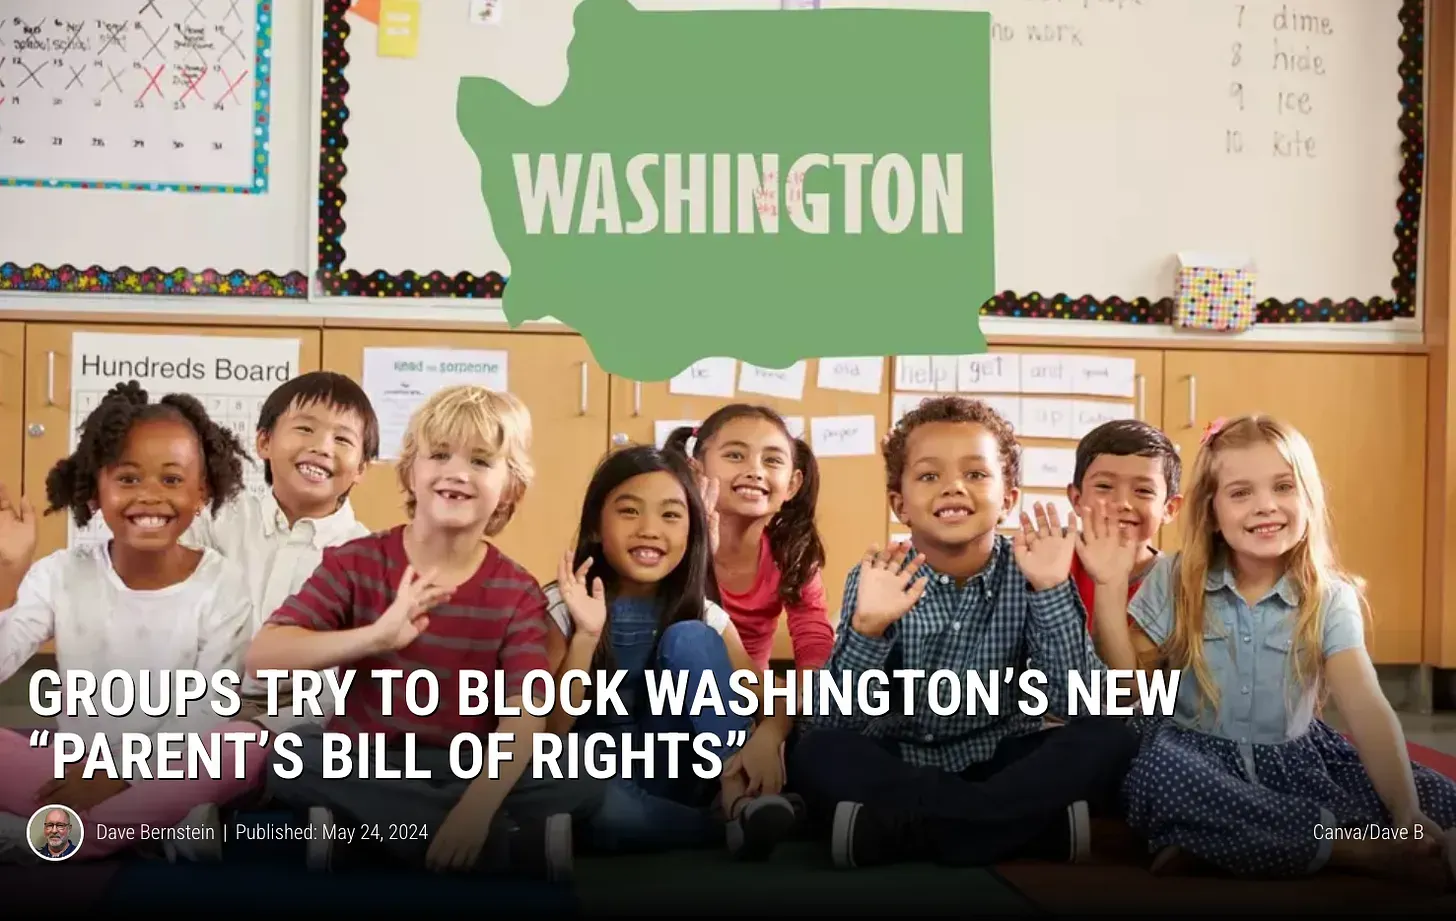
x: 1254, y: 810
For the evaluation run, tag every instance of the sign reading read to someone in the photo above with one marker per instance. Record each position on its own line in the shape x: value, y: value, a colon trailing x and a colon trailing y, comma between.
x: 744, y: 182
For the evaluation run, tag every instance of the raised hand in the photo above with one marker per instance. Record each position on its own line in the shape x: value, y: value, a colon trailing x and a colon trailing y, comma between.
x: 887, y: 589
x: 404, y: 620
x: 1107, y: 552
x: 1044, y: 548
x: 588, y: 609
x: 709, y: 490
x: 17, y: 532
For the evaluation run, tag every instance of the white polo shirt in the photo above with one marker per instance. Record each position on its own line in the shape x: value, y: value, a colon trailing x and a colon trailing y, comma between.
x: 276, y: 560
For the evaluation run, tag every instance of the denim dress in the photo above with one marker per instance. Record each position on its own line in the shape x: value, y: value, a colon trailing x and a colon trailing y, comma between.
x: 1256, y: 785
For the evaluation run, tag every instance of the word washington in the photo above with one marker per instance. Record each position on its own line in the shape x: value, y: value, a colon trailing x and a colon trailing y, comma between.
x: 740, y: 193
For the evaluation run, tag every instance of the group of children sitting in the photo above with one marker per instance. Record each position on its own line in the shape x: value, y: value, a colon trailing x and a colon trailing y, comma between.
x: 685, y: 559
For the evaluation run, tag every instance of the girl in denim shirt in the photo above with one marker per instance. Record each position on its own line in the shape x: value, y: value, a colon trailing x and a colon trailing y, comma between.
x: 638, y: 596
x: 1255, y: 609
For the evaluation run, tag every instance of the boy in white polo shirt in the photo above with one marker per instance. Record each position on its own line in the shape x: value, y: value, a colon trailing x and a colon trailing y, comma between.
x: 316, y: 435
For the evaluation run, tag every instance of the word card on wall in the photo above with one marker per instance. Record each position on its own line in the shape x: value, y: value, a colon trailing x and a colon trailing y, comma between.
x: 1045, y: 397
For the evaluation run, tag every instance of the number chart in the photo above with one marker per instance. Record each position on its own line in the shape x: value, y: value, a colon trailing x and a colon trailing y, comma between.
x: 161, y: 95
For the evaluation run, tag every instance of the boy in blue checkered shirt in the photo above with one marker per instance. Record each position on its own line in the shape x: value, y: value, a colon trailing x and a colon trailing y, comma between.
x: 970, y: 787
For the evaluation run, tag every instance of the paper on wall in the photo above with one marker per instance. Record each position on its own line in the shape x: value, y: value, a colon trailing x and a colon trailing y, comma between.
x: 1008, y: 408
x: 1088, y: 414
x: 399, y: 380
x: 230, y: 376
x: 1042, y: 417
x: 842, y: 436
x: 663, y: 429
x: 852, y: 375
x: 1051, y: 467
x: 785, y: 383
x: 990, y: 373
x: 486, y: 12
x: 943, y: 371
x: 925, y: 373
x: 796, y: 425
x: 707, y: 377
x: 903, y: 403
x: 1104, y: 376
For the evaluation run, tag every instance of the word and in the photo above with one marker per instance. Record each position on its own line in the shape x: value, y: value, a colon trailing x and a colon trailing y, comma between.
x: 724, y: 193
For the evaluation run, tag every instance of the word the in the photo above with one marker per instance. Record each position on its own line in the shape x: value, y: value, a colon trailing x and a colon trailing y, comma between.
x: 736, y: 188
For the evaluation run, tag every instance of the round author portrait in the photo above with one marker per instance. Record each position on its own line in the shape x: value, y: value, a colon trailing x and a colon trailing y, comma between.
x: 56, y: 832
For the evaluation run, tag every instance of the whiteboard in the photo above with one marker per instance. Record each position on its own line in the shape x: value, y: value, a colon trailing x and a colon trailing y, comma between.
x: 1124, y: 132
x: 143, y: 149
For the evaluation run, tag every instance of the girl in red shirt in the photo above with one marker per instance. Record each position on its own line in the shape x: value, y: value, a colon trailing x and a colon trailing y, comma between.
x: 764, y: 484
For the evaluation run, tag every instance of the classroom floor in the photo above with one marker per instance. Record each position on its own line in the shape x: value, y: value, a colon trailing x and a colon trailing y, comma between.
x: 799, y: 880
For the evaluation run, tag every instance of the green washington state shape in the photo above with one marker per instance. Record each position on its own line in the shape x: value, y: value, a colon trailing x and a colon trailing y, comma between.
x: 650, y: 296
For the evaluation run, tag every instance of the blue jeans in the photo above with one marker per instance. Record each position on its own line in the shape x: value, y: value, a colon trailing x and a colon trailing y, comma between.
x: 661, y: 813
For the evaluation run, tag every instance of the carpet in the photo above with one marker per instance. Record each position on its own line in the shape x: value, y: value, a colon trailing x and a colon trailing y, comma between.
x: 799, y: 880
x: 1118, y: 881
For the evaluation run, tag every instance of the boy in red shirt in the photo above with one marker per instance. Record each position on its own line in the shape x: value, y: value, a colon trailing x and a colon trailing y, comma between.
x: 1132, y: 468
x: 434, y: 595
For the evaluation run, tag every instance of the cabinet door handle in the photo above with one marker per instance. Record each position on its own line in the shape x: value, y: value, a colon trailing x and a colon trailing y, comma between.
x: 585, y: 387
x: 1192, y: 401
x: 1142, y: 398
x: 50, y: 378
x: 636, y: 398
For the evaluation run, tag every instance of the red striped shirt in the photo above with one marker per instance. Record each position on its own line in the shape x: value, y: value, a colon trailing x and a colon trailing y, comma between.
x: 494, y: 620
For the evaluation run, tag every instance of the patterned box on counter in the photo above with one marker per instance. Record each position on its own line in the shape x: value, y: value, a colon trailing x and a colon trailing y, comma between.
x: 1215, y: 293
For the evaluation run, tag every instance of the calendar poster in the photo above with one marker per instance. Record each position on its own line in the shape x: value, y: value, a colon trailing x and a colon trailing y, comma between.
x: 230, y: 376
x: 136, y: 94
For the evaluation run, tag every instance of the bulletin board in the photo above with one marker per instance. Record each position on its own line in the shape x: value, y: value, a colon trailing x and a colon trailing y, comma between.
x: 1287, y: 137
x: 144, y: 151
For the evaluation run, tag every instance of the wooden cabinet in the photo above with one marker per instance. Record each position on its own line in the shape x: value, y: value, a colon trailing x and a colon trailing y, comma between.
x: 12, y: 408
x: 566, y: 392
x: 1364, y: 416
x: 852, y: 506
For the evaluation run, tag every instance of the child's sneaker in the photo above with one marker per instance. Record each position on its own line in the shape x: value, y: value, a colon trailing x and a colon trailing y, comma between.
x: 1079, y: 823
x: 318, y: 853
x: 758, y: 826
x: 202, y: 841
x: 543, y: 848
x: 865, y: 837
